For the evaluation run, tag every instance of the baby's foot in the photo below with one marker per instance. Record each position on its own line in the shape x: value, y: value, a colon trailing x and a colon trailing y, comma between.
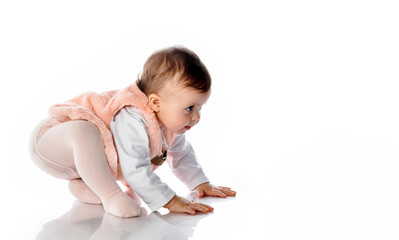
x: 82, y: 192
x: 133, y: 195
x: 120, y: 205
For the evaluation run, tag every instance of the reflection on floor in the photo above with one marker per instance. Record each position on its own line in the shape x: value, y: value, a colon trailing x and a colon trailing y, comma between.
x: 86, y: 221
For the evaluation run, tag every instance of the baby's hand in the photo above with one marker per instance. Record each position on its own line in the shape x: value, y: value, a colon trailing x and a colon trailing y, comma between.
x: 181, y: 205
x: 207, y: 189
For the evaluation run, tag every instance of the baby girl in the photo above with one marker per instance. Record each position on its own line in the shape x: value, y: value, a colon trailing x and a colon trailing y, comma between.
x: 94, y: 140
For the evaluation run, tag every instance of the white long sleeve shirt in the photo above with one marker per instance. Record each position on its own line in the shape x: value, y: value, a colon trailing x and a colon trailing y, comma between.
x: 131, y: 139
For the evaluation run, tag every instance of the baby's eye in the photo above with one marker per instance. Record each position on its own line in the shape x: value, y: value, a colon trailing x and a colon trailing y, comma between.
x: 189, y: 109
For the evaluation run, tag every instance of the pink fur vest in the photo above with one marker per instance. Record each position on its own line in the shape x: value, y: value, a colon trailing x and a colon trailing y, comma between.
x: 100, y: 110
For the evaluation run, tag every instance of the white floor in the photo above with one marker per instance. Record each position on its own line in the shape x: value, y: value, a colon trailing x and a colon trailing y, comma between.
x: 84, y: 221
x: 302, y: 121
x: 345, y: 191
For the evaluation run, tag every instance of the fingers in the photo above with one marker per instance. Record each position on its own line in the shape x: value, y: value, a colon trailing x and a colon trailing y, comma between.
x: 195, y: 207
x: 207, y: 207
x: 189, y: 210
x: 221, y: 192
x: 227, y: 191
x: 182, y: 205
x: 214, y: 191
x: 217, y: 193
x: 200, y: 207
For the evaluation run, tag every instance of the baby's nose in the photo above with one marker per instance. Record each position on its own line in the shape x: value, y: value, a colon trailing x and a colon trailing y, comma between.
x: 196, y: 117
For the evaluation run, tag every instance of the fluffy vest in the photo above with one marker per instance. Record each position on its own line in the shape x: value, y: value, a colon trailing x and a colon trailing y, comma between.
x: 100, y: 110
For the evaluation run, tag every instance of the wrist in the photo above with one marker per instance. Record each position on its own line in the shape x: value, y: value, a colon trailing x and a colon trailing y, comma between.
x: 171, y: 202
x: 201, y: 184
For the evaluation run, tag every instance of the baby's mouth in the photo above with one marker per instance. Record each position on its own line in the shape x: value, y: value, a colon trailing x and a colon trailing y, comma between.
x: 187, y: 127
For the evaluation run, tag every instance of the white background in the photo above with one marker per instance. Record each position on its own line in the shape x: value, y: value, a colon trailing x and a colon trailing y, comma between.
x: 302, y: 121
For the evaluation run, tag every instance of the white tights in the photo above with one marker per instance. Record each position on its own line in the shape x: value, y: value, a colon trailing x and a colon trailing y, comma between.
x: 76, y: 150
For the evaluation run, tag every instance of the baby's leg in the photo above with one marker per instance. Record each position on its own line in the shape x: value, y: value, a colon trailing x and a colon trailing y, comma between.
x: 82, y: 192
x: 78, y: 145
x: 133, y: 195
x: 129, y: 191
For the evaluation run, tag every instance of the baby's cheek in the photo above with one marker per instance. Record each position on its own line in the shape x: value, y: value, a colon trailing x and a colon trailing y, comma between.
x: 175, y: 123
x: 175, y: 120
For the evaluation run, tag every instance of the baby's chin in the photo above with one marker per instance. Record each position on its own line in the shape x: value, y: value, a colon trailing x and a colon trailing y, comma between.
x: 182, y: 130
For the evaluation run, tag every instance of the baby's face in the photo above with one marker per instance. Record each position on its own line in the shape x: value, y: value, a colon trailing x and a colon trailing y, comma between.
x: 180, y: 108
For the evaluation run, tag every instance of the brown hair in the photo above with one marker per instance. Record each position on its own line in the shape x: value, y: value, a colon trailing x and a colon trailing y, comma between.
x: 163, y: 65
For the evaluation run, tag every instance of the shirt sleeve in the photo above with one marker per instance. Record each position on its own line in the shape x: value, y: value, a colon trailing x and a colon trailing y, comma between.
x: 183, y: 162
x: 132, y: 143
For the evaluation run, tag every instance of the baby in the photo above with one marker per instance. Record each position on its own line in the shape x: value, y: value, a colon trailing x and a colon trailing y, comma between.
x: 94, y: 139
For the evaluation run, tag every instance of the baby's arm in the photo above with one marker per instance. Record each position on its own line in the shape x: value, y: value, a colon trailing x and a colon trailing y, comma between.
x: 131, y: 140
x: 184, y: 164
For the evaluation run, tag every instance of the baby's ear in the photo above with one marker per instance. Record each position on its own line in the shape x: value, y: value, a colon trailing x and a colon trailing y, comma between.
x: 155, y: 102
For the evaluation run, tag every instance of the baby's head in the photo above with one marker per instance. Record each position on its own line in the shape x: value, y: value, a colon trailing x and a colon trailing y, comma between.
x: 177, y: 84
